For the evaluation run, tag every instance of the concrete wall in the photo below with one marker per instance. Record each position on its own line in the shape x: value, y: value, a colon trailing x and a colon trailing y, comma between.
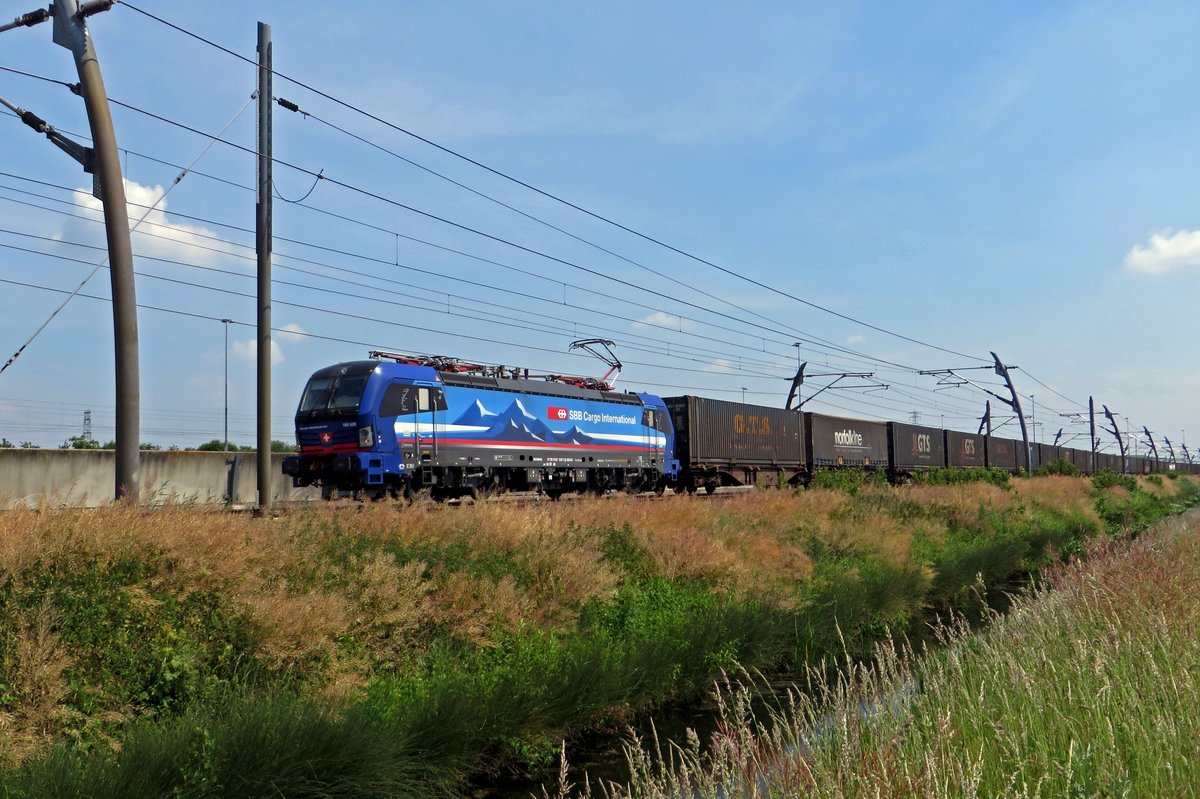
x: 85, y: 477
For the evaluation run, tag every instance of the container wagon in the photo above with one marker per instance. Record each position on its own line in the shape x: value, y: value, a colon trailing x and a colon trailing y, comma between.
x: 1082, y: 459
x: 914, y: 448
x: 1047, y: 453
x: 833, y: 441
x: 731, y: 443
x: 965, y: 450
x: 1004, y: 453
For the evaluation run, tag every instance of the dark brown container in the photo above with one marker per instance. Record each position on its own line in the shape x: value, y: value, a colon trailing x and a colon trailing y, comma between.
x: 712, y: 432
x: 965, y: 450
x: 914, y: 447
x: 1005, y: 453
x: 1047, y: 453
x: 1082, y: 458
x: 835, y: 441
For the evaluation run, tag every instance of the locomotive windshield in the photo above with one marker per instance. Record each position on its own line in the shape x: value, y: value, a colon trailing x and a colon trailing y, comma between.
x: 334, y: 393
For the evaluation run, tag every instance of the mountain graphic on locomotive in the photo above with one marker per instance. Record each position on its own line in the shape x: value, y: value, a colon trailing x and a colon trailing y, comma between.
x: 398, y: 425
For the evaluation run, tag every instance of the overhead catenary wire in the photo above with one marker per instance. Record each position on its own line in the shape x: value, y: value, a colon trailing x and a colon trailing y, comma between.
x: 447, y: 333
x: 844, y: 352
x: 468, y: 228
x: 732, y: 358
x: 806, y: 337
x: 17, y: 354
x: 532, y: 217
x: 552, y: 196
x: 318, y: 177
x: 389, y: 263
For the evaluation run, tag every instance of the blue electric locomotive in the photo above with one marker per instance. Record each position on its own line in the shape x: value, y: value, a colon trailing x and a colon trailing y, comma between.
x: 401, y: 425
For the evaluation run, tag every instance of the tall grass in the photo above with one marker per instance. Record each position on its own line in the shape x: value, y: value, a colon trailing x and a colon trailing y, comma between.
x: 1088, y: 687
x: 468, y: 639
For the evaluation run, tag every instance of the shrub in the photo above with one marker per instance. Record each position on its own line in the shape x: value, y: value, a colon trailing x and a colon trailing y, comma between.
x: 997, y: 477
x: 1058, y: 466
x: 1106, y: 479
x: 850, y: 480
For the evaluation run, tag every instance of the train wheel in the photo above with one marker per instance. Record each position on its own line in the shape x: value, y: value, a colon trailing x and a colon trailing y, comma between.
x: 710, y: 487
x: 418, y: 493
x: 690, y: 487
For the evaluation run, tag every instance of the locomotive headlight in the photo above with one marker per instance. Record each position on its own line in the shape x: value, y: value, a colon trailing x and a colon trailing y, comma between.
x: 365, y: 437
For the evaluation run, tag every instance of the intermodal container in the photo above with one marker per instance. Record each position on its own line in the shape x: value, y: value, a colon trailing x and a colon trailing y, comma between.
x: 836, y: 441
x: 1005, y: 453
x: 964, y: 450
x: 713, y: 432
x: 1047, y: 453
x: 915, y: 447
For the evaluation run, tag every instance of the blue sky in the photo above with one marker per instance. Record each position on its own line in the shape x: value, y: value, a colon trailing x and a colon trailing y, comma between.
x: 1011, y: 177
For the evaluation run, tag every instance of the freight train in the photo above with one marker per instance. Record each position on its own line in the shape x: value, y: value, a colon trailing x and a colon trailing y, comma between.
x: 402, y: 426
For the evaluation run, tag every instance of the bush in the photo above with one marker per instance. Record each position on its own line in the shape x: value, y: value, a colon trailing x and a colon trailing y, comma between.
x: 1058, y: 466
x: 1106, y: 479
x: 936, y: 477
x: 849, y: 479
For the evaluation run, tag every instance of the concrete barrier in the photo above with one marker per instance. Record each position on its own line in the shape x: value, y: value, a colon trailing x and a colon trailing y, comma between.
x: 85, y: 477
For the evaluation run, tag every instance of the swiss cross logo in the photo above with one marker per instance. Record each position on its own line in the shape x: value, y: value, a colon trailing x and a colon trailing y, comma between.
x: 557, y: 414
x: 327, y: 438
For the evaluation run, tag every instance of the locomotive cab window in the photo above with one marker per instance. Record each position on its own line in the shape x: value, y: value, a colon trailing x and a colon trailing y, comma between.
x: 653, y: 419
x: 399, y: 399
x: 430, y: 399
x: 333, y: 394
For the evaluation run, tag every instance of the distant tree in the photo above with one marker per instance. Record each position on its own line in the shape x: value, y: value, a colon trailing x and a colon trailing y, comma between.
x: 5, y: 443
x: 28, y: 445
x: 79, y: 442
x: 147, y: 446
x: 217, y: 445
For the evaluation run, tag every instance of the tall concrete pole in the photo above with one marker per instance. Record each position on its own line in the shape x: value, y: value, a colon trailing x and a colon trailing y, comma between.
x: 1015, y: 403
x: 1092, y: 425
x: 70, y: 31
x: 263, y: 236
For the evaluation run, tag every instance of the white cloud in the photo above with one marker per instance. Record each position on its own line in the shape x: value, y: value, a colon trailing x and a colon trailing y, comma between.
x: 248, y: 350
x: 720, y: 366
x: 659, y: 319
x: 291, y: 332
x: 1165, y: 251
x: 157, y: 235
x: 856, y: 339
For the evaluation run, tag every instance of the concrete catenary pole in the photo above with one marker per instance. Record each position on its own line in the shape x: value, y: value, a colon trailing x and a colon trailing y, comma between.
x: 1092, y: 426
x: 263, y: 237
x: 1015, y: 404
x: 70, y: 31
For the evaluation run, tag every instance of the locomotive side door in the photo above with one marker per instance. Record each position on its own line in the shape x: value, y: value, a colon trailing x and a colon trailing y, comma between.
x: 650, y: 440
x: 423, y: 434
x: 430, y: 401
x: 400, y: 405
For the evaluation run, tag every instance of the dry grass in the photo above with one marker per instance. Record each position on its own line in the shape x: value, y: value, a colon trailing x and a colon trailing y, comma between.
x: 1059, y: 493
x: 1089, y: 690
x: 378, y: 574
x: 35, y: 675
x: 1158, y: 487
x: 963, y: 501
x: 749, y: 544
